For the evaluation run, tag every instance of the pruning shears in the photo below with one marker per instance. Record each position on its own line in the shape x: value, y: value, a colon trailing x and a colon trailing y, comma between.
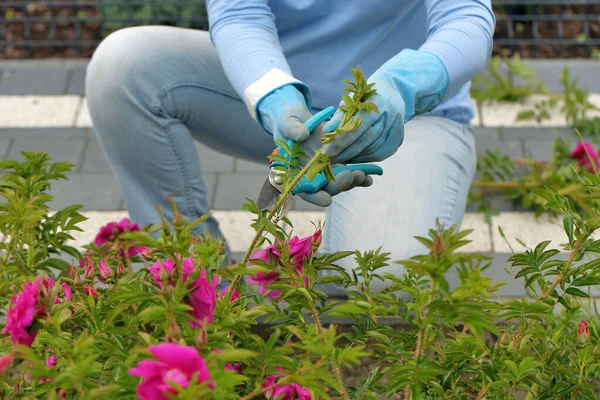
x: 273, y: 186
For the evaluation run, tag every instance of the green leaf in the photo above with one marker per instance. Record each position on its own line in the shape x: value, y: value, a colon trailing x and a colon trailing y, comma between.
x: 577, y: 292
x: 586, y: 282
x: 235, y: 355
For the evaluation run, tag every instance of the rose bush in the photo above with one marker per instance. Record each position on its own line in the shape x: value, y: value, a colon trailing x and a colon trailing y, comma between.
x: 152, y: 312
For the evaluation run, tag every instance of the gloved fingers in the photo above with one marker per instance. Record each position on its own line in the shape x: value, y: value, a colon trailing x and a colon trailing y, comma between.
x: 321, y: 198
x: 367, y: 182
x: 386, y: 150
x: 350, y: 144
x: 345, y: 139
x: 343, y: 181
x: 358, y: 178
x: 334, y: 122
x: 291, y: 123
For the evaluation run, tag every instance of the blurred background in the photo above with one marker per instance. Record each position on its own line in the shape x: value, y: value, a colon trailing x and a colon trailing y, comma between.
x: 73, y: 28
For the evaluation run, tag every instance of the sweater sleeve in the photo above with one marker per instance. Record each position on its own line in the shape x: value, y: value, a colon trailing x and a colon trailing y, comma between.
x: 246, y: 39
x: 460, y: 34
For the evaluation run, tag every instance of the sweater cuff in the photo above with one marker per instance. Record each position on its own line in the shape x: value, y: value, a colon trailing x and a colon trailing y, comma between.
x: 268, y: 83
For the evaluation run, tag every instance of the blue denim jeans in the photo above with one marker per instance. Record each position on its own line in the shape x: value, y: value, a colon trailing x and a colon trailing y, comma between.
x: 153, y: 91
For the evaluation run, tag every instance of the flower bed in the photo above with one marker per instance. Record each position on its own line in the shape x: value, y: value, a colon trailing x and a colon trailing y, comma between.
x: 98, y: 329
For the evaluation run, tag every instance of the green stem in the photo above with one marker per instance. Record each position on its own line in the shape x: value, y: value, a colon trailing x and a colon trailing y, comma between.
x: 280, y: 202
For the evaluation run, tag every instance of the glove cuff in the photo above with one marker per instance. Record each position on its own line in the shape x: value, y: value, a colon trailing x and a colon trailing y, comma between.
x: 419, y: 76
x: 268, y: 83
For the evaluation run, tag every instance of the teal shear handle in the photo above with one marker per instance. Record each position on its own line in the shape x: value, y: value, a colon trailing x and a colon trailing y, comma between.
x: 319, y: 182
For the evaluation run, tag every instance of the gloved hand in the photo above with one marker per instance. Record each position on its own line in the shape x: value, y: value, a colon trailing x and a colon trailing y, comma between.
x: 283, y: 112
x: 344, y: 181
x: 413, y: 82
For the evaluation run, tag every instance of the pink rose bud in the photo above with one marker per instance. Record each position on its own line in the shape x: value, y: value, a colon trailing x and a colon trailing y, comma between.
x: 77, y: 280
x: 316, y: 240
x: 105, y: 271
x: 5, y: 362
x: 163, y: 275
x: 90, y: 291
x: 583, y: 331
x: 90, y: 272
x: 121, y: 270
x: 72, y: 272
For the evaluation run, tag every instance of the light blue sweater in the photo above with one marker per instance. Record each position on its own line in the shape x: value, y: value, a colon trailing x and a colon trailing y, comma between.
x: 318, y: 41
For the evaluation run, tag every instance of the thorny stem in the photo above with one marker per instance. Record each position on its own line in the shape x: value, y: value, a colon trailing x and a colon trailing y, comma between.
x: 420, y: 340
x: 560, y: 277
x: 270, y: 216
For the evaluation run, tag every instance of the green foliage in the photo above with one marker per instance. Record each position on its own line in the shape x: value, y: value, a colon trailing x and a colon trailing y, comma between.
x: 514, y: 84
x: 186, y: 14
x: 361, y: 91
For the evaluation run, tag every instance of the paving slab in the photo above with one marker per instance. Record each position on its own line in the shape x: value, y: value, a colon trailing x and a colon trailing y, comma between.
x: 213, y: 161
x: 83, y: 118
x: 508, y: 133
x: 527, y: 228
x: 59, y: 150
x: 539, y: 149
x: 76, y: 84
x: 94, y: 160
x: 512, y: 148
x: 243, y: 166
x: 93, y: 191
x: 5, y: 144
x: 38, y: 111
x: 487, y: 132
x: 232, y: 189
x: 210, y: 183
x: 40, y: 81
x: 43, y: 133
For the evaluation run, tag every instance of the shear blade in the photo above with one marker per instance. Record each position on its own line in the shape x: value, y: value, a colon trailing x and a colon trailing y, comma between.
x: 268, y: 196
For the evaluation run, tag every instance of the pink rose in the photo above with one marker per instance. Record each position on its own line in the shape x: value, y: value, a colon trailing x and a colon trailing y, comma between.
x: 5, y: 362
x: 26, y: 307
x: 234, y: 295
x: 300, y: 251
x: 175, y: 363
x: 187, y: 267
x: 586, y: 156
x: 51, y: 362
x: 110, y: 232
x: 263, y: 280
x: 67, y: 294
x: 290, y: 391
x: 204, y: 293
x: 203, y: 299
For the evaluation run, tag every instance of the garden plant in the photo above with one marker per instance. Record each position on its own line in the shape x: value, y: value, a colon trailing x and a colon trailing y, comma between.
x: 152, y: 312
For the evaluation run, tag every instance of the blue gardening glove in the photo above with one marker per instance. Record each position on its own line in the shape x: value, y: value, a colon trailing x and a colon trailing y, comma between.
x: 345, y: 180
x: 283, y: 112
x: 413, y: 82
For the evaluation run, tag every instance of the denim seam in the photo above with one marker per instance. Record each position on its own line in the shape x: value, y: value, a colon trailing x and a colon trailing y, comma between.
x: 451, y: 198
x: 156, y: 107
x: 177, y: 84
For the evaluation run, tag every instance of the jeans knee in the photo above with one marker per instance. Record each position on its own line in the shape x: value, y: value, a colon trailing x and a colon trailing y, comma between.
x: 112, y: 68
